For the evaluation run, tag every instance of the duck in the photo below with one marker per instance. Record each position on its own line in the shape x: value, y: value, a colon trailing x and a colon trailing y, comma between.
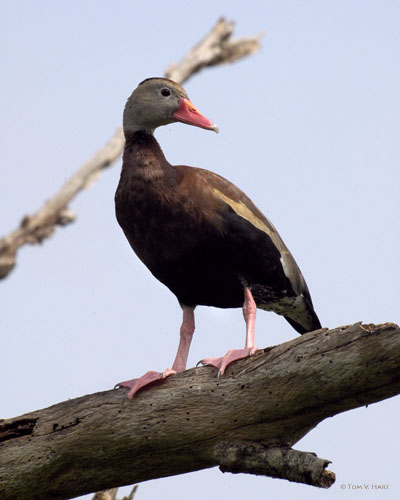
x: 199, y: 234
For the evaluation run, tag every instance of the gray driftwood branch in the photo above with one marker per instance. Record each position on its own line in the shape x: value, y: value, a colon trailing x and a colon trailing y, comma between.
x: 216, y: 48
x: 246, y: 421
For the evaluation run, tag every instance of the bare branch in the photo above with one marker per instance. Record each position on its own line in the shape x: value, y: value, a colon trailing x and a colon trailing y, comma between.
x: 195, y: 420
x: 280, y: 462
x: 106, y: 495
x: 41, y: 225
x: 216, y: 48
x: 112, y: 494
x: 132, y: 493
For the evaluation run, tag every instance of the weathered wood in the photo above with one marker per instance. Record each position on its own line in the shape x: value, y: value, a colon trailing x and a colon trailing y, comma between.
x: 280, y: 462
x: 103, y: 440
x: 112, y: 494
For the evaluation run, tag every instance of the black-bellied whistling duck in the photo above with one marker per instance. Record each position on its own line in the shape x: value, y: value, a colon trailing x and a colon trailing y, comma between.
x: 198, y: 233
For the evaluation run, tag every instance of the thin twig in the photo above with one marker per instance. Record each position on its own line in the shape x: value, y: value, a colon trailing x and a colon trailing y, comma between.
x: 215, y: 49
x: 132, y: 493
x: 112, y: 494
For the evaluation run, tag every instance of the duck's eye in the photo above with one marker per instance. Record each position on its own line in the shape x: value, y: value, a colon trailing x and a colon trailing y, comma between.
x: 165, y: 92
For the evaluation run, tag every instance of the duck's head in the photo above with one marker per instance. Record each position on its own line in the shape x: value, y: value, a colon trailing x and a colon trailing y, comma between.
x: 159, y: 101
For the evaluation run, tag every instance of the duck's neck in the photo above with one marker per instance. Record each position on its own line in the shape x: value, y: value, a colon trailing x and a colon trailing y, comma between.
x: 143, y: 156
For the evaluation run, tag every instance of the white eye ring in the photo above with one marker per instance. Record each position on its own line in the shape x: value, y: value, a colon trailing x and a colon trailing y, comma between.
x: 165, y: 92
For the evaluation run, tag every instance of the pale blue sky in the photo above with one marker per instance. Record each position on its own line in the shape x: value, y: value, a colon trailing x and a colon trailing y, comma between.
x: 309, y: 130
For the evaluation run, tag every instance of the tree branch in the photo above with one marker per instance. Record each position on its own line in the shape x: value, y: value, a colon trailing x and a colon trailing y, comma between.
x: 280, y: 462
x: 112, y: 494
x: 194, y: 420
x: 215, y: 49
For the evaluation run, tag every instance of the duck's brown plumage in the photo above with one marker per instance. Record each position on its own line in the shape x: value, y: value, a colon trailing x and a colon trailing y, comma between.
x: 198, y: 233
x: 179, y: 224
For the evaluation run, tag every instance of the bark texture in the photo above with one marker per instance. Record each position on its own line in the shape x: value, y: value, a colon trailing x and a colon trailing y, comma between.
x: 246, y: 421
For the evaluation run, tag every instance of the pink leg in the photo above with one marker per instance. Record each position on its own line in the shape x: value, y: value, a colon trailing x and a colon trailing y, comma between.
x: 186, y: 334
x: 249, y: 313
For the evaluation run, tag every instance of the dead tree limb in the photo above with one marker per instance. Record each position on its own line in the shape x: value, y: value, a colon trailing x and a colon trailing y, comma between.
x: 215, y: 49
x: 246, y: 421
x: 112, y: 494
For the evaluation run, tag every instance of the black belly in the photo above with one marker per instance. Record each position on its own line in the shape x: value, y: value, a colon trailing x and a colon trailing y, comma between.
x: 215, y: 271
